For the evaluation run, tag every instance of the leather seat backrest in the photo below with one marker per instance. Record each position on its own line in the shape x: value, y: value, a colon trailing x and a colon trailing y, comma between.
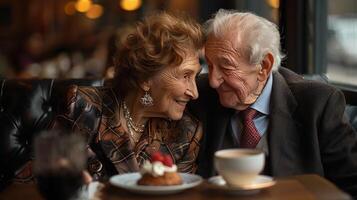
x: 27, y: 107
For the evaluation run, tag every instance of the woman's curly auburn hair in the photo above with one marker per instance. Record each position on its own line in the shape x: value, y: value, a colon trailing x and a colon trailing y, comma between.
x: 159, y: 41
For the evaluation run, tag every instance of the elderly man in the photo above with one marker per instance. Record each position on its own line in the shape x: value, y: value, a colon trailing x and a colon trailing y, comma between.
x: 299, y: 124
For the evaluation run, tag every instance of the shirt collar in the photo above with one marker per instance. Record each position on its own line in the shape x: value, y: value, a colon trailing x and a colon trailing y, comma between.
x: 263, y: 101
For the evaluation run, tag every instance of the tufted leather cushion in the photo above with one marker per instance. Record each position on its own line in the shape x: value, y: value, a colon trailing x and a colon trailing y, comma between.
x: 27, y: 107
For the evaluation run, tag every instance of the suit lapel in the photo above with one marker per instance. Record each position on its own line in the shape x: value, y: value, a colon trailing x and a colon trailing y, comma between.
x: 218, y: 127
x: 283, y: 130
x: 218, y: 123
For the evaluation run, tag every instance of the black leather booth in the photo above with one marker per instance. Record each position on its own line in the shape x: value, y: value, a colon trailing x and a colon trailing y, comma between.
x: 27, y: 108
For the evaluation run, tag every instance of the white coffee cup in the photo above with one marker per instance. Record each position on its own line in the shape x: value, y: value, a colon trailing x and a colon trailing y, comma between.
x: 239, y: 166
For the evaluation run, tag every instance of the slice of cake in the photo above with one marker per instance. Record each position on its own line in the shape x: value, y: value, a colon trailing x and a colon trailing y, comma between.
x: 159, y: 171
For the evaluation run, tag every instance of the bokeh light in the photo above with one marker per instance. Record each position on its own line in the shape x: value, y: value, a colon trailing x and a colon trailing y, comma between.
x: 69, y: 8
x: 274, y: 3
x: 95, y: 11
x: 83, y: 5
x: 130, y: 5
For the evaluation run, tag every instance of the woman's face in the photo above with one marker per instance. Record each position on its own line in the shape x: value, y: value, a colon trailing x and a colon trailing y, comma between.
x: 174, y: 87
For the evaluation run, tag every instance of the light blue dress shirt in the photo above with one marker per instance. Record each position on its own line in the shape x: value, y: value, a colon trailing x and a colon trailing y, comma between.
x: 261, y: 121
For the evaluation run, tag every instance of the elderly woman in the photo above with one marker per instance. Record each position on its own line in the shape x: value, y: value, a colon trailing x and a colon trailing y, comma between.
x: 144, y: 111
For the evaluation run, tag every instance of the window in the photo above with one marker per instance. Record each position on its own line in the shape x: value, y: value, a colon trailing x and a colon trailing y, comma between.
x: 341, y: 41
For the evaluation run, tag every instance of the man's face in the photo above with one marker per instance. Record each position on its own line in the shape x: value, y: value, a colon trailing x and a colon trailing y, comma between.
x: 231, y: 74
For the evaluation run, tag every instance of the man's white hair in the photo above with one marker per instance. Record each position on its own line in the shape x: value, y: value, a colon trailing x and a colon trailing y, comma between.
x: 253, y: 36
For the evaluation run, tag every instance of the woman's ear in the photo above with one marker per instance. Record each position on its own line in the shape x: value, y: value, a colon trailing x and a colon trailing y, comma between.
x: 146, y: 85
x: 266, y: 67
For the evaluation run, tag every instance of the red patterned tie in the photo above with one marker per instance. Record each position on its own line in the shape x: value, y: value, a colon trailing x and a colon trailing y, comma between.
x: 250, y: 136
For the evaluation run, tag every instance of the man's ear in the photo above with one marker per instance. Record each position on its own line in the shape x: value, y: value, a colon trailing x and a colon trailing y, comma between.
x: 266, y: 67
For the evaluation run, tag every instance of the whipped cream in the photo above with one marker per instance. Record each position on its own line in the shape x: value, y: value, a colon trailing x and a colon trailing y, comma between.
x: 156, y: 168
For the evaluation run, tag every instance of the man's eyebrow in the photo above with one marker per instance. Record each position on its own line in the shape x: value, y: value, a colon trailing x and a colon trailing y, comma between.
x: 225, y: 60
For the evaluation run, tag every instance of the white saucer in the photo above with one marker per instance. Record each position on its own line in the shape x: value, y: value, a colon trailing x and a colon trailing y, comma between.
x: 261, y: 182
x: 128, y: 182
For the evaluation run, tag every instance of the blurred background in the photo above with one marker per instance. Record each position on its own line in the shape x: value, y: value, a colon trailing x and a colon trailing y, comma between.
x: 76, y: 38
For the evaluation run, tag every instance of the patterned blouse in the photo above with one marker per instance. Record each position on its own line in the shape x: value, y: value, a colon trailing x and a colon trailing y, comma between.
x: 93, y: 112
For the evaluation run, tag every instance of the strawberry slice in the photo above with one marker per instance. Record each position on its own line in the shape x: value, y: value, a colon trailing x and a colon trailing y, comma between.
x: 168, y: 161
x: 157, y: 156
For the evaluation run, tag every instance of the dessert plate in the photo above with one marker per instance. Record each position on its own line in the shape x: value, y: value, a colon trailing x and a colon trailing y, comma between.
x: 128, y: 182
x: 261, y: 182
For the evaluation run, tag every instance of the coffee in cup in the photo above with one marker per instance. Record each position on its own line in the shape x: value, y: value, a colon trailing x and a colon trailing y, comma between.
x: 239, y: 166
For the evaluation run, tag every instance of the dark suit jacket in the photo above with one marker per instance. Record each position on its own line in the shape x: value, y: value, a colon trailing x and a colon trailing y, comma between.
x: 307, y: 133
x: 93, y: 113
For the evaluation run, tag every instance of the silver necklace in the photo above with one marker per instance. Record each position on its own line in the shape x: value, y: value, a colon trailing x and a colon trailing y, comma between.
x: 139, y: 128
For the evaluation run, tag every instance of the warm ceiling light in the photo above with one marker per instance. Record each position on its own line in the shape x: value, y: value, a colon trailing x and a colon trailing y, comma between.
x: 130, y: 5
x: 95, y: 11
x: 69, y: 8
x: 274, y: 3
x: 83, y: 5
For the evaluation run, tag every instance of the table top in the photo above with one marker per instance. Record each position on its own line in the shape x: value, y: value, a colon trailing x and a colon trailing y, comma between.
x: 306, y: 187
